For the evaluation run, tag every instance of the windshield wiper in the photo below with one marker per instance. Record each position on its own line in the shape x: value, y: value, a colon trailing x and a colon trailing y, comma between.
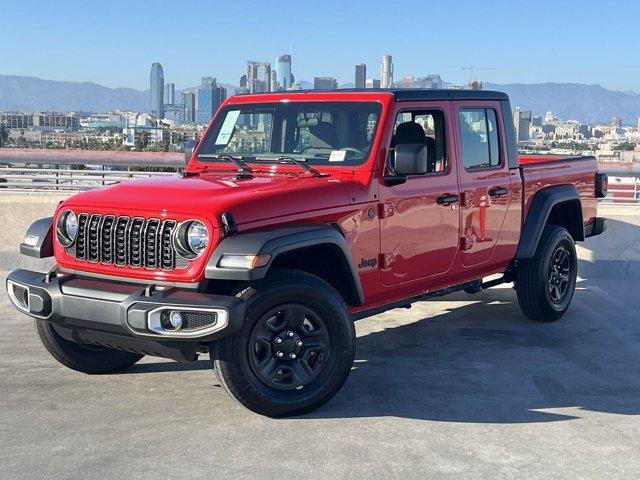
x: 239, y: 163
x: 284, y: 159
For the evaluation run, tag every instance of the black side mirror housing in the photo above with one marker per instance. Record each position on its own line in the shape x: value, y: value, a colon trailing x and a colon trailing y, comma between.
x: 393, y: 180
x: 188, y: 150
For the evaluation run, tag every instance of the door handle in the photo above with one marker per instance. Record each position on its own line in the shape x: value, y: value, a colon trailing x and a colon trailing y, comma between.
x: 498, y: 191
x: 447, y: 199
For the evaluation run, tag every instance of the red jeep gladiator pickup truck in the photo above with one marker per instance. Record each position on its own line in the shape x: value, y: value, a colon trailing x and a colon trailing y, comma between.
x: 297, y: 214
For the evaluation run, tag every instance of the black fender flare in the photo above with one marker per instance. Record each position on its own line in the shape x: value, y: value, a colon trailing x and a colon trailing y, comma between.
x: 40, y: 234
x: 541, y: 207
x: 276, y: 241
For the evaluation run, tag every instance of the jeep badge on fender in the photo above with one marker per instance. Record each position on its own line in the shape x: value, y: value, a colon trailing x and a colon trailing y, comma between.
x: 368, y: 263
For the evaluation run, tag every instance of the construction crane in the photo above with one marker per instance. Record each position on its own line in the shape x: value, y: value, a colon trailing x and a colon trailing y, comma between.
x: 473, y: 69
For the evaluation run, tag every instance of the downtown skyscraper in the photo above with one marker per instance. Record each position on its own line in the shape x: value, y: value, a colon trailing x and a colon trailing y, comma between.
x: 283, y: 72
x: 258, y: 78
x: 210, y: 97
x: 170, y: 94
x: 386, y: 72
x: 361, y: 75
x: 189, y: 102
x: 156, y: 90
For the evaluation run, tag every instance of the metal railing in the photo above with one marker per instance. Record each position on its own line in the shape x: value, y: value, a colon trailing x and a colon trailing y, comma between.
x: 624, y: 186
x: 90, y: 157
x: 65, y: 179
x: 73, y: 170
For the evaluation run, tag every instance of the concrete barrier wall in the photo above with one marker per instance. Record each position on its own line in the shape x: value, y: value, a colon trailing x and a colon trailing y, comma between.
x: 18, y: 210
x: 616, y: 252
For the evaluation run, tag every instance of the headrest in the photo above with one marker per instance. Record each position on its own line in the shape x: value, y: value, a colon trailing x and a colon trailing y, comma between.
x: 308, y: 122
x: 323, y: 135
x: 411, y: 159
x: 409, y: 132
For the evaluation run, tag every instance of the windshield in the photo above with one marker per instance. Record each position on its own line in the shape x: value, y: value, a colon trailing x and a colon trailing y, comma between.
x: 320, y: 133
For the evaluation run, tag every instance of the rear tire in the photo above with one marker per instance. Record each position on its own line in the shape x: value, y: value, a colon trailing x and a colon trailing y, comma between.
x: 546, y: 282
x: 295, y: 349
x: 83, y: 358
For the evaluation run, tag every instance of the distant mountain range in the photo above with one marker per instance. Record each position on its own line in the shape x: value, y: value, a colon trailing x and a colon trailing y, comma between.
x: 573, y: 101
x: 32, y: 94
x: 588, y: 103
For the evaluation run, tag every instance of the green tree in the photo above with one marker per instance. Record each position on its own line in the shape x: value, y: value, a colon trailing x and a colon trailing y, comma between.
x: 142, y: 140
x: 626, y: 146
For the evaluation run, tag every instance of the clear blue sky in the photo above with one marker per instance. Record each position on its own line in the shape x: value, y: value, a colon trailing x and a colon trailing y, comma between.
x: 115, y: 42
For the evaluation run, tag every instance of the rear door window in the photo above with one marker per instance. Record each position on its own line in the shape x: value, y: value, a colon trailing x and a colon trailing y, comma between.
x: 479, y: 137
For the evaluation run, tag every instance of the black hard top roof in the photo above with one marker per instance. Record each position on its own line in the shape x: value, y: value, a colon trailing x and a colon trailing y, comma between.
x: 408, y: 94
x: 412, y: 94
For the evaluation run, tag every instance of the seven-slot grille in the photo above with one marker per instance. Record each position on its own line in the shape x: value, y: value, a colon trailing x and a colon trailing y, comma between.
x: 125, y: 241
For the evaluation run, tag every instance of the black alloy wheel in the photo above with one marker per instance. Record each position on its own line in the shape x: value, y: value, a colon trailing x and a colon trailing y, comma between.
x: 294, y: 350
x: 559, y: 274
x: 289, y: 347
x: 545, y: 283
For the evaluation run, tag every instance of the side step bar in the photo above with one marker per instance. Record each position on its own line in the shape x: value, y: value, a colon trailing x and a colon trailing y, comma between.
x: 475, y: 286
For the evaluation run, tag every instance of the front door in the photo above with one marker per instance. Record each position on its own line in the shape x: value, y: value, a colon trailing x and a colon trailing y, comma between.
x: 420, y: 218
x: 484, y: 178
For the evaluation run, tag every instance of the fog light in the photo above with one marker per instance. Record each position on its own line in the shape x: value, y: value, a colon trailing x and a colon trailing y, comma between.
x: 173, y: 321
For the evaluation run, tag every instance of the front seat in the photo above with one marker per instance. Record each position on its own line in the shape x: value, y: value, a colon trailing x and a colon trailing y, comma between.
x: 322, y: 136
x: 410, y: 133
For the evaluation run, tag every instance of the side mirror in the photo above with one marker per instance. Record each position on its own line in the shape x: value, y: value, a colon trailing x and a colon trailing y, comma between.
x: 188, y: 150
x: 410, y: 159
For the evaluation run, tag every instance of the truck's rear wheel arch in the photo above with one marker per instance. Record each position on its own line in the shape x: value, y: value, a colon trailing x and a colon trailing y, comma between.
x: 558, y: 205
x: 568, y: 214
x: 318, y: 249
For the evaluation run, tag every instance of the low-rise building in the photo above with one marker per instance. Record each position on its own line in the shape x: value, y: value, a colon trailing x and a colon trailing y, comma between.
x: 373, y: 83
x: 149, y: 135
x: 325, y: 83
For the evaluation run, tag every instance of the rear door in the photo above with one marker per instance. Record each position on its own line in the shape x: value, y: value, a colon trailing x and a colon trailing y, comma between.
x: 420, y: 218
x: 485, y: 189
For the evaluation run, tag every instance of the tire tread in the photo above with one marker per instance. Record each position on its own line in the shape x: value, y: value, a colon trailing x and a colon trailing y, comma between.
x: 256, y: 400
x: 75, y: 357
x: 530, y: 274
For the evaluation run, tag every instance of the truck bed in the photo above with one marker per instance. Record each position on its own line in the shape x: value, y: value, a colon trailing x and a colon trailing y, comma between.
x: 541, y: 171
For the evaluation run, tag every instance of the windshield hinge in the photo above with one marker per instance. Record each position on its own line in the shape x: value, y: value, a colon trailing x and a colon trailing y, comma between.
x: 386, y: 210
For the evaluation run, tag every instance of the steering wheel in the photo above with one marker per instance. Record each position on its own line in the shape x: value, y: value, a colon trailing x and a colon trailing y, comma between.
x: 353, y: 150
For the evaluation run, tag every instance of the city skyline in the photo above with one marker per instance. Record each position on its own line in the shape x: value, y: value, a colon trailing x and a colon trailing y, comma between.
x: 553, y: 41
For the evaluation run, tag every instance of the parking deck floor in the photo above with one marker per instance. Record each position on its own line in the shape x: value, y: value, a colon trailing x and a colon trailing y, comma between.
x: 462, y: 386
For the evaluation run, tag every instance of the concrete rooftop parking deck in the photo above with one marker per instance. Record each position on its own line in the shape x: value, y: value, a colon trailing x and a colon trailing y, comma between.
x: 461, y: 386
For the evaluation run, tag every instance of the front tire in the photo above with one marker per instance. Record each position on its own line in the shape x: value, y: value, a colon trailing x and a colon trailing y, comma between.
x: 546, y: 282
x: 295, y: 349
x: 83, y: 358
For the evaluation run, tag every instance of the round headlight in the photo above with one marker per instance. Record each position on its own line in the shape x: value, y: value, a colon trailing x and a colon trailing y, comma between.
x: 197, y: 237
x: 67, y: 228
x: 71, y: 225
x: 191, y: 239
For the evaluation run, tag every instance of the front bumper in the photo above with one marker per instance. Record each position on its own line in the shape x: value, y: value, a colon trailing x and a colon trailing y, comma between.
x: 124, y: 315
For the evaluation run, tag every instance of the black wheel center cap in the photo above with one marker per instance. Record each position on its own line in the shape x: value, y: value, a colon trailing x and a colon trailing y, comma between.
x: 287, y: 343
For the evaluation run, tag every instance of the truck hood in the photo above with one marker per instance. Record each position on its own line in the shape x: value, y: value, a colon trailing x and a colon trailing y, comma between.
x: 249, y: 199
